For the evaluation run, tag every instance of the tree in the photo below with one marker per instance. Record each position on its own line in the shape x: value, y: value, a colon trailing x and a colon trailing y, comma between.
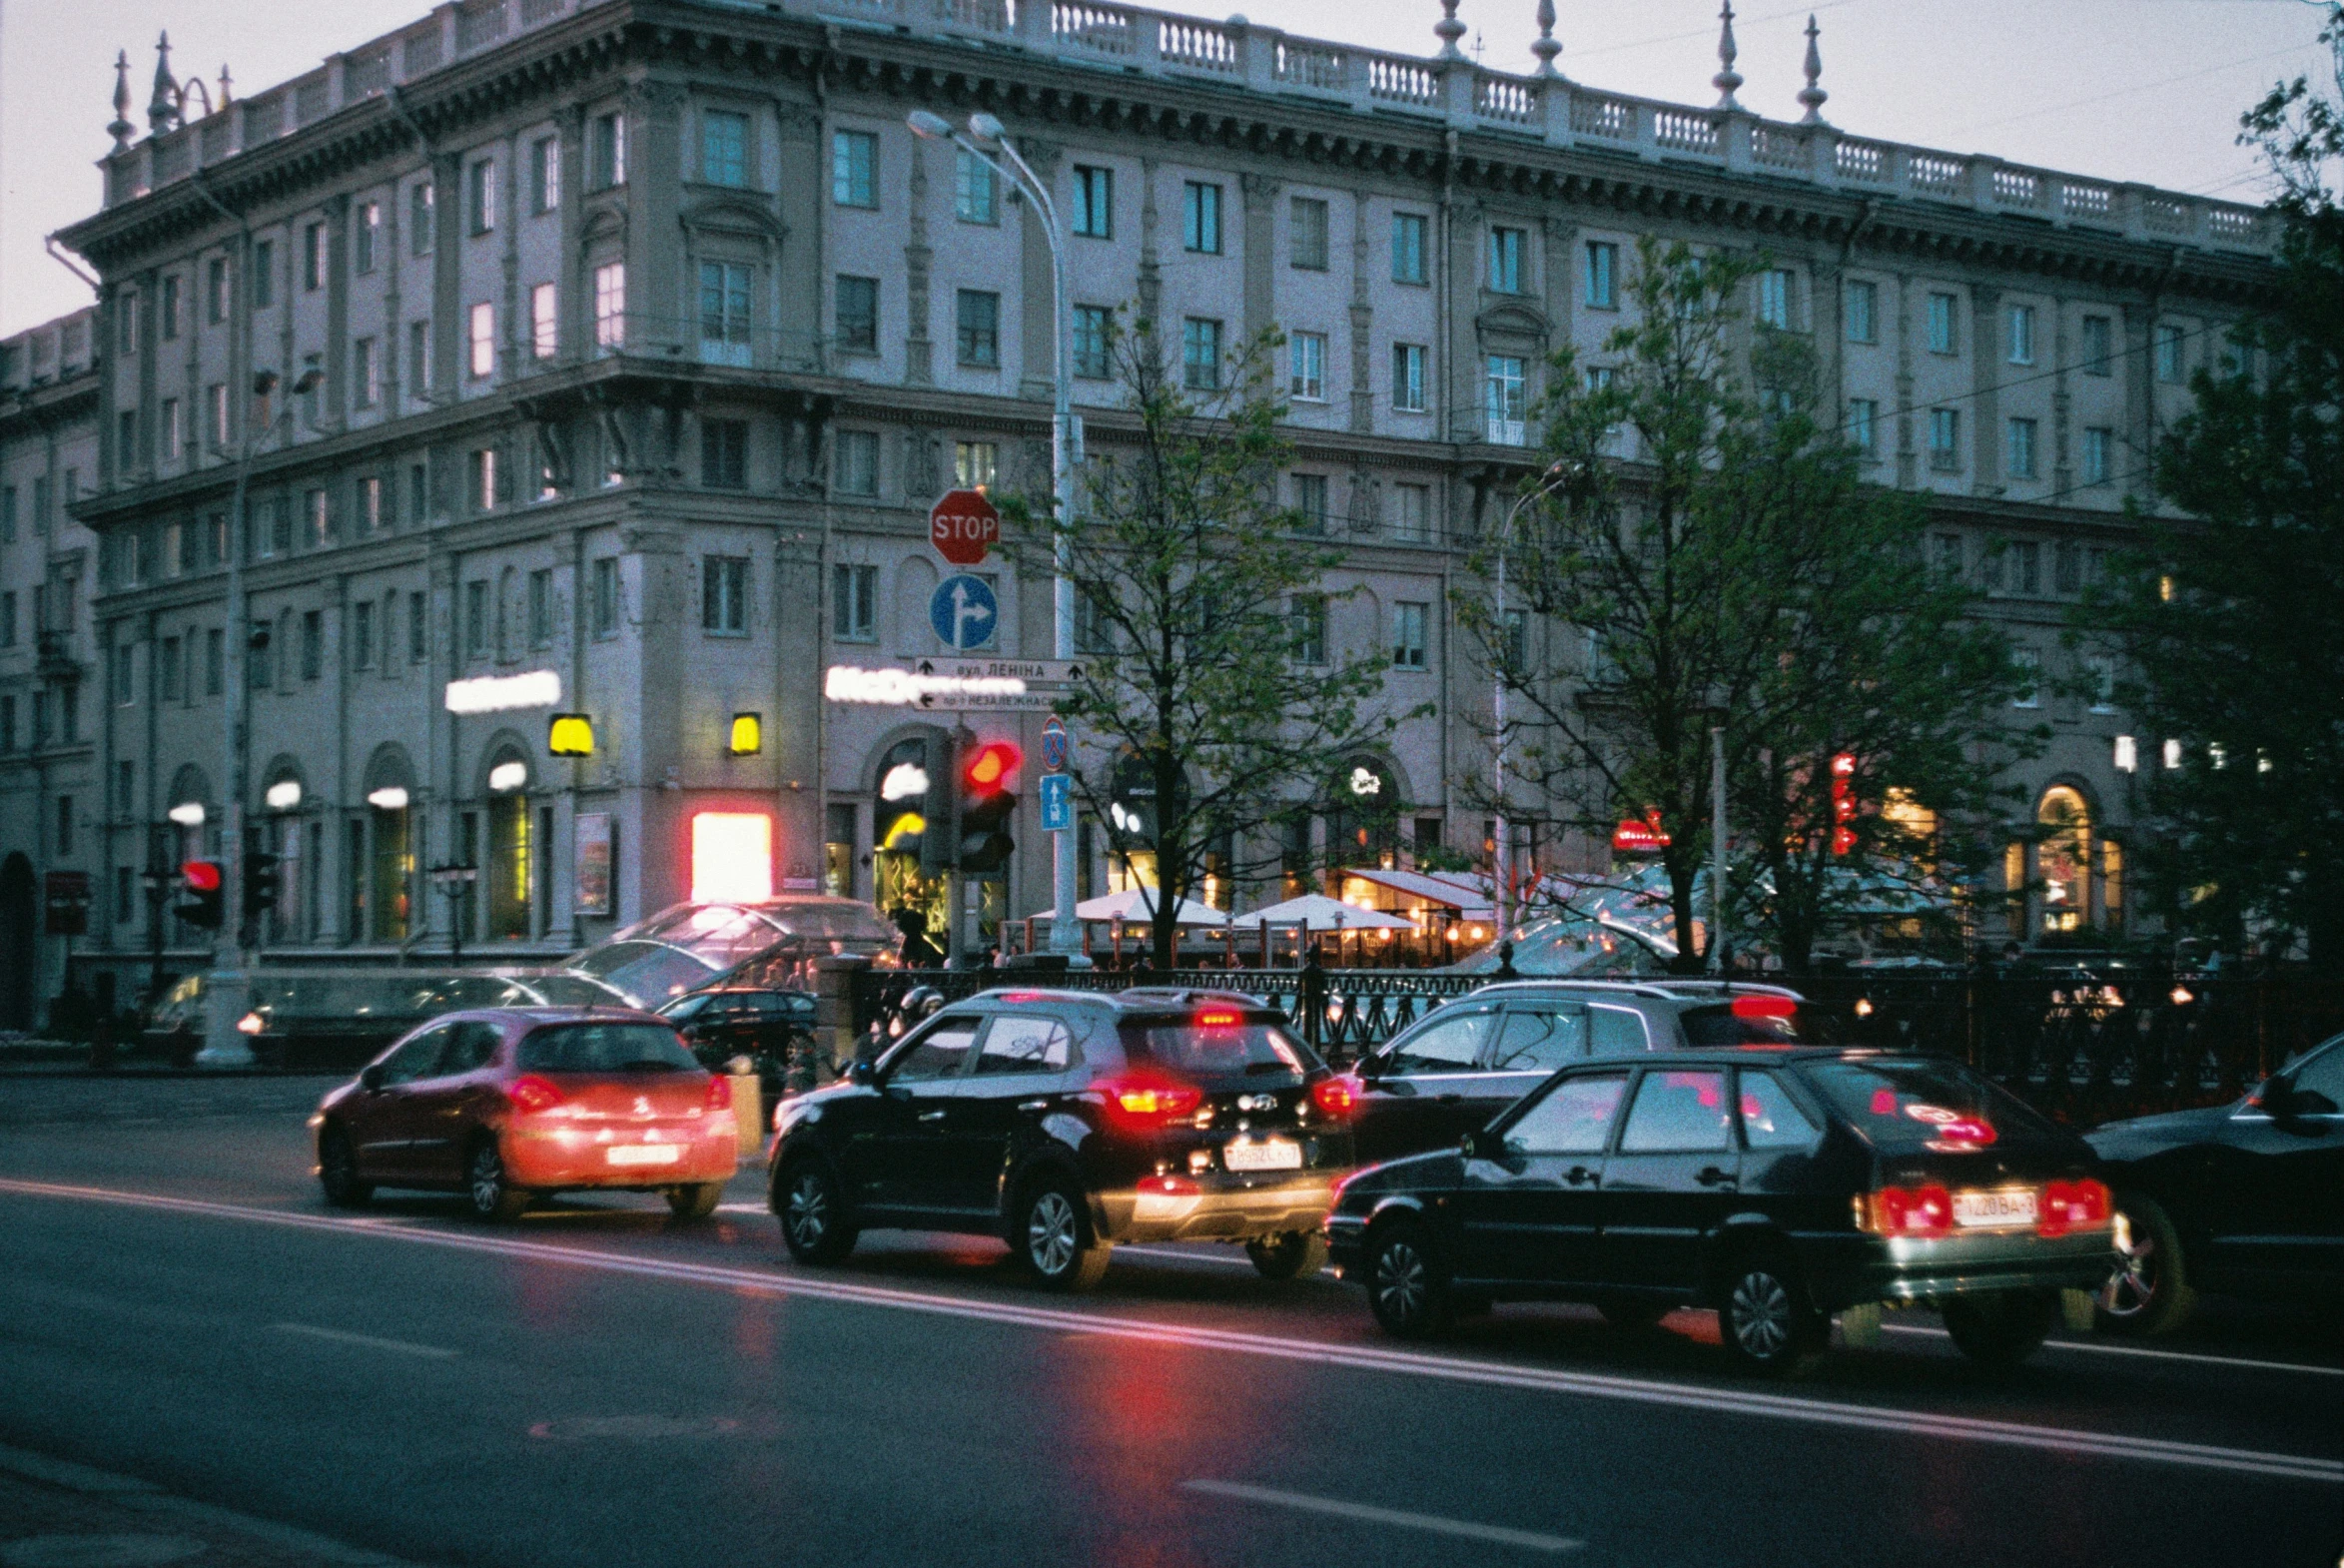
x: 2230, y: 622
x: 1709, y: 538
x: 1206, y: 678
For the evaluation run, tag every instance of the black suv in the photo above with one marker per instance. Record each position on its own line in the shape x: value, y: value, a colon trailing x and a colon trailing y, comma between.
x: 765, y: 1023
x: 1066, y: 1121
x: 1467, y: 1060
x: 1779, y: 1186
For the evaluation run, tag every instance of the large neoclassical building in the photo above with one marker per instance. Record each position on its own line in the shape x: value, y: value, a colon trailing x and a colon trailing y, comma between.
x: 641, y: 334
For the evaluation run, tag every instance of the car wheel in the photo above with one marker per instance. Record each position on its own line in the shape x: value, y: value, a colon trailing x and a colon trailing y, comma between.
x: 1766, y: 1321
x: 1407, y: 1289
x: 2149, y: 1291
x: 1054, y: 1240
x: 1292, y: 1255
x: 338, y: 1170
x: 491, y: 1192
x: 2003, y: 1328
x: 696, y: 1200
x: 813, y: 1213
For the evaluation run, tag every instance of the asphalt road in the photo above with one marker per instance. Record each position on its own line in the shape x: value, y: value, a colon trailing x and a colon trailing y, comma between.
x: 596, y: 1385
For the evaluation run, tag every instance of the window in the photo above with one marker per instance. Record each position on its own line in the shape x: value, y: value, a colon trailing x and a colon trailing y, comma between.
x: 65, y: 820
x: 2029, y: 665
x: 265, y: 273
x: 2099, y: 676
x: 1678, y: 1112
x: 1200, y: 354
x: 1307, y: 612
x: 1574, y: 1119
x: 216, y: 289
x: 1091, y: 357
x: 2097, y: 440
x: 1864, y: 425
x: 8, y: 619
x: 2022, y: 334
x: 484, y: 473
x: 1774, y: 294
x: 1200, y: 217
x: 1771, y: 1118
x: 610, y: 306
x: 544, y: 326
x: 855, y: 463
x: 1408, y: 246
x: 854, y: 169
x: 1941, y: 325
x: 974, y: 192
x: 2020, y: 449
x: 941, y: 1053
x: 476, y: 619
x: 1503, y: 400
x: 1094, y: 202
x: 1603, y: 271
x: 977, y: 329
x: 1095, y: 632
x: 724, y: 313
x: 312, y: 258
x: 2026, y: 569
x: 366, y: 229
x: 280, y: 525
x: 419, y: 492
x: 858, y: 313
x: 724, y: 595
x: 1412, y: 512
x: 606, y: 151
x: 1306, y: 356
x: 362, y: 634
x: 725, y: 453
x: 545, y: 175
x: 1506, y: 259
x: 1945, y: 438
x: 2169, y: 352
x: 1863, y: 299
x: 1307, y: 245
x: 541, y: 607
x: 1408, y: 377
x: 1024, y: 1045
x: 975, y: 464
x: 370, y: 503
x: 1409, y: 635
x: 724, y: 147
x: 854, y: 603
x: 125, y: 438
x: 422, y: 203
x: 1946, y: 554
x: 313, y: 644
x: 1310, y: 502
x: 606, y: 597
x: 480, y: 196
x: 419, y: 359
x: 170, y: 430
x: 366, y: 374
x: 1452, y: 1044
x: 170, y: 312
x: 2097, y: 345
x: 480, y: 351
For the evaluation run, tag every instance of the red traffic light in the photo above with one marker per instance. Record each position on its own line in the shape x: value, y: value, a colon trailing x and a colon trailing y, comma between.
x: 994, y: 766
x: 200, y: 876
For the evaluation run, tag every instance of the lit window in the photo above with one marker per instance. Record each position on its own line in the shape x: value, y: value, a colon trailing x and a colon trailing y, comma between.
x: 480, y: 361
x: 732, y: 857
x: 544, y: 329
x: 976, y: 466
x: 610, y: 306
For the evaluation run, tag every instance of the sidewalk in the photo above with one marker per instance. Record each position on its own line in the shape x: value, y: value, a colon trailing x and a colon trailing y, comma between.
x: 54, y: 1515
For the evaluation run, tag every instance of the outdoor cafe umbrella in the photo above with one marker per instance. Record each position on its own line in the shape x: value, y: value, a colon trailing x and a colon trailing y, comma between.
x: 1321, y: 913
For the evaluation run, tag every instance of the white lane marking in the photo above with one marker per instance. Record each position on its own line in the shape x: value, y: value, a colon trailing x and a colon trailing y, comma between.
x: 343, y: 1336
x: 2144, y: 1350
x: 1920, y: 1424
x: 1183, y: 1258
x: 1497, y: 1534
x: 743, y: 1208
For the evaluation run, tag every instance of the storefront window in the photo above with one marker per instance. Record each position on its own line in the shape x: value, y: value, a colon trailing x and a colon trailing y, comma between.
x: 2062, y: 861
x: 510, y: 859
x: 394, y: 873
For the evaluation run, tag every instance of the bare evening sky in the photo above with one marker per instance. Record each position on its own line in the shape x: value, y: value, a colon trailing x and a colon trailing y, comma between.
x: 2146, y: 90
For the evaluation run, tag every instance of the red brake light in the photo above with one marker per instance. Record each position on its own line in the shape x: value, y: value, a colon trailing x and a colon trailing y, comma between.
x: 1337, y: 1097
x: 2073, y: 1205
x: 719, y: 1093
x: 1146, y: 1101
x: 1219, y: 1017
x: 1912, y: 1210
x: 1764, y: 1007
x: 532, y: 1094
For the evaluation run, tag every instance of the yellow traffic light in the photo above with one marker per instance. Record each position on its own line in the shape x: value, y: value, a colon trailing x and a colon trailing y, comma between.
x: 570, y: 735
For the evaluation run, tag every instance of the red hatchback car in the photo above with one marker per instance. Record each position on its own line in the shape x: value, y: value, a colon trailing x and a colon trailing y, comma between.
x: 509, y: 1104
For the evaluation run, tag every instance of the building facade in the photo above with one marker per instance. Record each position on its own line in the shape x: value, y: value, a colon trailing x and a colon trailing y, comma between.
x: 639, y: 335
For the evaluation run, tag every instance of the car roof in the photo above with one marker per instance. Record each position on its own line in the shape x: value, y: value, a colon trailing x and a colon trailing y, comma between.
x: 1731, y: 1056
x: 1691, y: 990
x: 549, y: 1014
x: 1133, y: 999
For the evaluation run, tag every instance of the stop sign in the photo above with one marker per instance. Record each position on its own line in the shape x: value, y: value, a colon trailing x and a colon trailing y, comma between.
x: 963, y: 526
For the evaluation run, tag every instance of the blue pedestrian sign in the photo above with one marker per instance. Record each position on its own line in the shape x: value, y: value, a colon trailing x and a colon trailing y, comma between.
x: 963, y: 611
x: 1058, y: 802
x: 1054, y: 744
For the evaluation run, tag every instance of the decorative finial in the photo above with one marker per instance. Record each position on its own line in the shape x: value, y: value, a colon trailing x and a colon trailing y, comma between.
x: 1812, y: 95
x: 1727, y: 79
x: 163, y: 108
x: 227, y: 96
x: 1546, y: 48
x: 1450, y: 30
x: 122, y: 130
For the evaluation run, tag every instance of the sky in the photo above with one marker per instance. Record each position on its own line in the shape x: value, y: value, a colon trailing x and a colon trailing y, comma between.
x: 2147, y: 90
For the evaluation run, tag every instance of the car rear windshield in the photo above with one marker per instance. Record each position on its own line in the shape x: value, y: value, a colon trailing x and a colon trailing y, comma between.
x: 1248, y: 1049
x: 606, y: 1047
x: 1919, y: 1104
x: 1757, y: 1021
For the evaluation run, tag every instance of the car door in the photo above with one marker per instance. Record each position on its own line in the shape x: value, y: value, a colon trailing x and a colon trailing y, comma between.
x: 1534, y: 1036
x: 1530, y: 1212
x: 1020, y: 1075
x: 443, y: 1106
x: 1416, y: 1099
x: 1670, y: 1179
x: 895, y: 1155
x: 2279, y: 1214
x: 1779, y: 1139
x: 383, y: 1123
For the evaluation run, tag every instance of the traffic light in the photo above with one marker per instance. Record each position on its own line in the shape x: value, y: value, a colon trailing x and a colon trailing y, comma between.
x: 260, y: 881
x: 199, y: 891
x: 989, y: 777
x: 900, y: 825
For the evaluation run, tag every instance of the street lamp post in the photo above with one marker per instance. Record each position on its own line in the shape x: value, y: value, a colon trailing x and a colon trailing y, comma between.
x: 1501, y: 851
x: 984, y: 138
x: 224, y: 999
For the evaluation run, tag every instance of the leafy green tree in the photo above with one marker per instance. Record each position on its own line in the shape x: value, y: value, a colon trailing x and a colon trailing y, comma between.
x: 1206, y: 673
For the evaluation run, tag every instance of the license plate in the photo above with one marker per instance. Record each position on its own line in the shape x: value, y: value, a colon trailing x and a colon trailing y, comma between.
x: 2007, y: 1206
x: 645, y: 1153
x: 1267, y: 1153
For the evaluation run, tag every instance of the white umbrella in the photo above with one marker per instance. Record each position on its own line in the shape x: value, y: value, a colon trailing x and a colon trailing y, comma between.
x: 1325, y: 914
x: 1136, y: 906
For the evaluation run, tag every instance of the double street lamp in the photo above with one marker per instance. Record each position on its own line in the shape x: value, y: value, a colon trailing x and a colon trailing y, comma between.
x: 986, y: 141
x: 1501, y: 849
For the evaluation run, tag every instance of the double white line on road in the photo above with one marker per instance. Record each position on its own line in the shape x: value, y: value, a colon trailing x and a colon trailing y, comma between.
x: 1820, y: 1412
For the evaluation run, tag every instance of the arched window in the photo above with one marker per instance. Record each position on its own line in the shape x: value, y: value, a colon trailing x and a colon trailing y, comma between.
x: 2063, y: 860
x: 388, y: 897
x: 509, y: 860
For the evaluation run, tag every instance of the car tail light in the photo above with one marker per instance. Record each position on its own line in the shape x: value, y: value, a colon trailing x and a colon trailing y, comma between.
x: 532, y: 1094
x: 1762, y: 1006
x: 1912, y: 1210
x: 2075, y: 1205
x: 1146, y: 1101
x: 719, y: 1093
x: 1337, y: 1097
x: 1219, y: 1017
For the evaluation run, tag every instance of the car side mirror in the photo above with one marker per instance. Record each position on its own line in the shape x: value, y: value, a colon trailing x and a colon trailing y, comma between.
x: 370, y: 1077
x: 862, y: 1072
x: 1368, y: 1068
x: 1481, y: 1143
x: 2276, y: 1097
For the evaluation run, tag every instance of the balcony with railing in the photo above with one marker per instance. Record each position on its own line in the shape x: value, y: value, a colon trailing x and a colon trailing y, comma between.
x: 1452, y: 92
